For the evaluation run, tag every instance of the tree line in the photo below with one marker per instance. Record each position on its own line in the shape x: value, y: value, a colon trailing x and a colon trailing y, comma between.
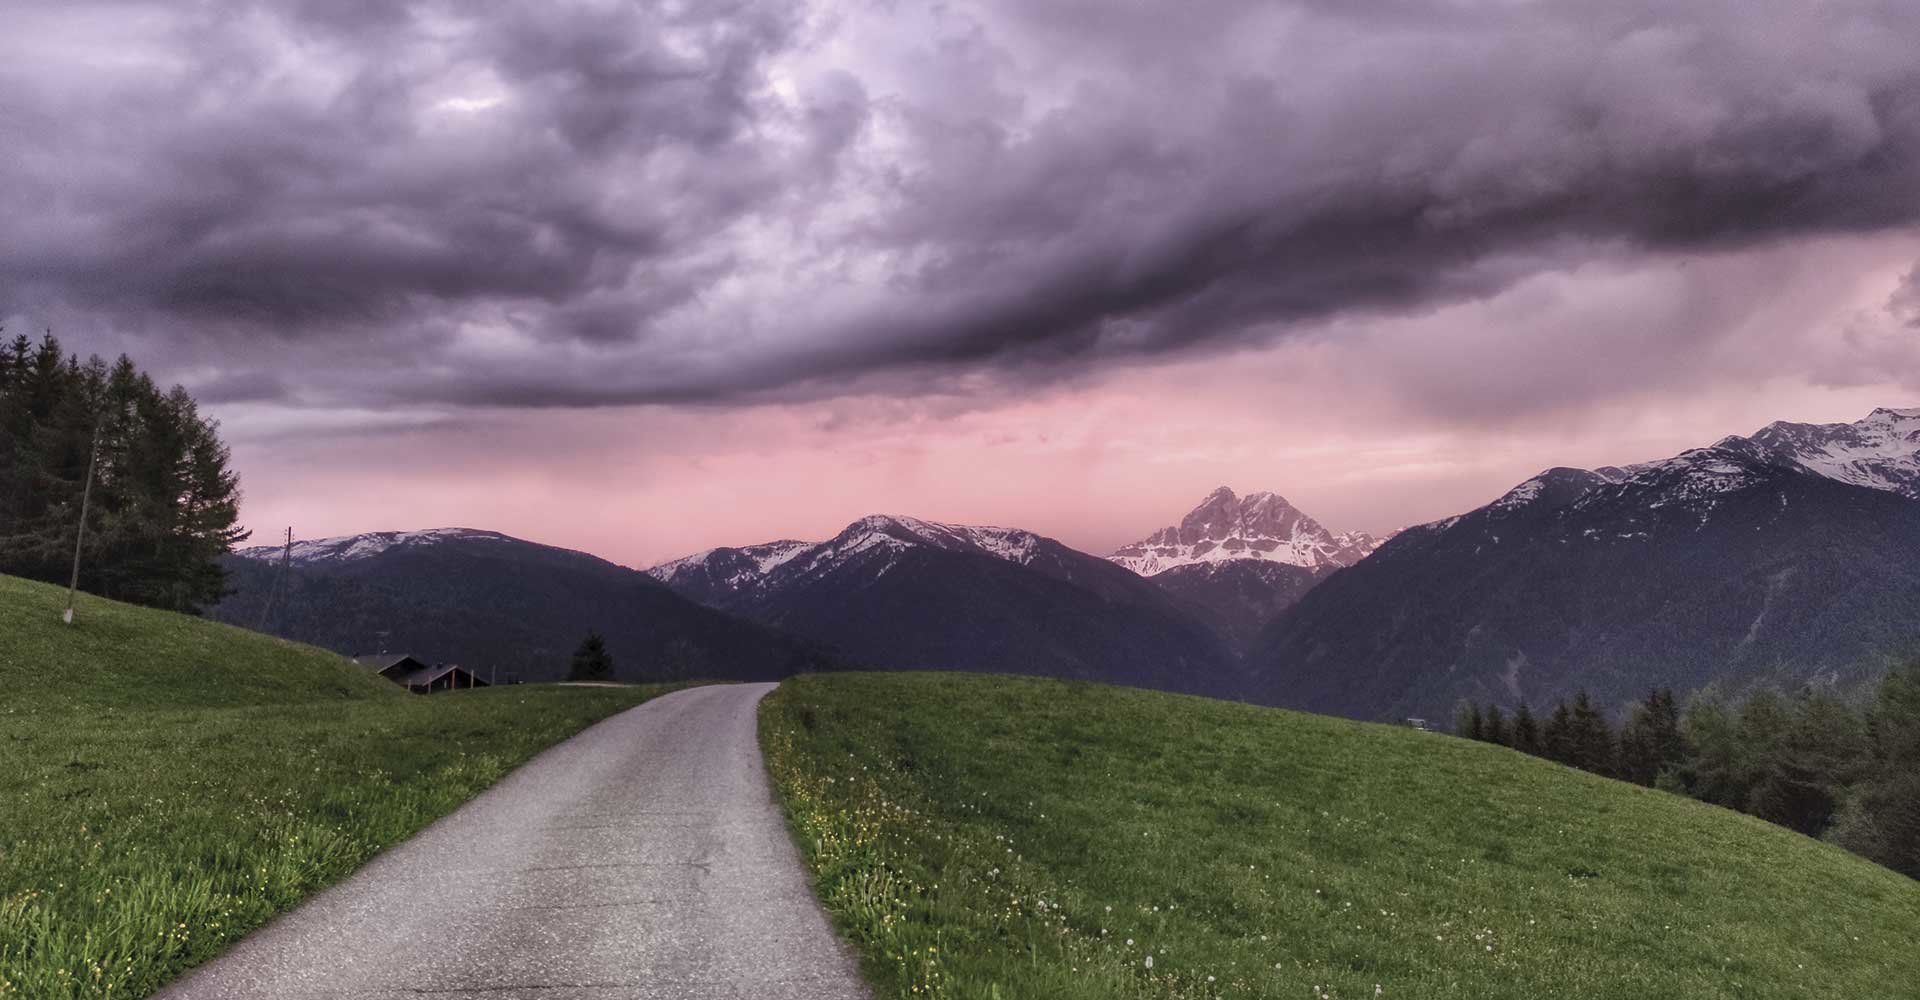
x: 163, y: 505
x: 1812, y: 762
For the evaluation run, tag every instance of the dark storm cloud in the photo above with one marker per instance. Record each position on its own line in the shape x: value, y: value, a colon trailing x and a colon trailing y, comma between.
x: 282, y: 171
x: 580, y: 203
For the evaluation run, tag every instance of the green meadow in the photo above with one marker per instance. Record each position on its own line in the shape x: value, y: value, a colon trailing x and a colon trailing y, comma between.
x: 997, y: 837
x: 170, y: 784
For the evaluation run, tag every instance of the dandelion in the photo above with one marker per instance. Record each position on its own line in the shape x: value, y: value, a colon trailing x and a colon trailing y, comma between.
x: 1149, y: 961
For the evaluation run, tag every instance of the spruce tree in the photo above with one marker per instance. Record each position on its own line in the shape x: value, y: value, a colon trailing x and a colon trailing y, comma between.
x: 164, y: 507
x: 1669, y: 739
x: 1715, y: 770
x: 1651, y: 741
x: 1493, y: 727
x: 1882, y: 817
x: 1467, y: 721
x: 591, y: 661
x: 1590, y: 739
x: 1805, y: 776
x: 1557, y: 736
x: 1526, y: 731
x: 1763, y: 723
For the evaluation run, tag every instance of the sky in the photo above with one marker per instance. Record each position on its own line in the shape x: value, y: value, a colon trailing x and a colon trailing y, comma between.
x: 645, y: 278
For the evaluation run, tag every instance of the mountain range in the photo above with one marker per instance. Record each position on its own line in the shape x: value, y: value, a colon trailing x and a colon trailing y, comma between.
x: 1787, y: 558
x: 502, y: 606
x: 1783, y: 558
x: 904, y: 593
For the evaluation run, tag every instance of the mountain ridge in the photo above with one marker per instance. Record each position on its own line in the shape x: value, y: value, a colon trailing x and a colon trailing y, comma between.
x: 491, y: 601
x: 1739, y: 564
x: 914, y: 594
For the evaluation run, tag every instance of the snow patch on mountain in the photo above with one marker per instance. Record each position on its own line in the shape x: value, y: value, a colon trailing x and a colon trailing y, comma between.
x: 738, y: 570
x: 1881, y: 451
x: 1261, y: 526
x: 1693, y: 478
x: 1011, y: 544
x: 775, y: 554
x: 733, y: 568
x: 348, y: 548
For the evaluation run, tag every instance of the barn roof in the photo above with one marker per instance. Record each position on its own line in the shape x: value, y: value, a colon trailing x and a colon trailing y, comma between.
x: 385, y: 664
x: 425, y: 676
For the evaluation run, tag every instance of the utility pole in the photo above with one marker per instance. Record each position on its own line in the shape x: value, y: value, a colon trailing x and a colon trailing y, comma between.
x: 80, y: 533
x: 286, y: 559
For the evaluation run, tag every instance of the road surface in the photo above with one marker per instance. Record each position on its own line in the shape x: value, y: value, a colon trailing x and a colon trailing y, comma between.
x: 644, y: 858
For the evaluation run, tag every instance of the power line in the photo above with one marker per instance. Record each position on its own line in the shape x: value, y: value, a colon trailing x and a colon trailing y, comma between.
x: 80, y: 533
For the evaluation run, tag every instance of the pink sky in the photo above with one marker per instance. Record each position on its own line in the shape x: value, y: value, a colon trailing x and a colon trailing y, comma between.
x: 1369, y: 424
x: 641, y: 279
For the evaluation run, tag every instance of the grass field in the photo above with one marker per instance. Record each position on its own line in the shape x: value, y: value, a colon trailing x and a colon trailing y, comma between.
x: 1005, y: 838
x: 170, y: 784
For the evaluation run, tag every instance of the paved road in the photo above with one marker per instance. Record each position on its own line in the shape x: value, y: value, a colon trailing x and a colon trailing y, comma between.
x: 644, y: 858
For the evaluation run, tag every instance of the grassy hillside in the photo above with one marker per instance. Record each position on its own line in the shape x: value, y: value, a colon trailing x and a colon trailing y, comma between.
x: 120, y: 656
x: 170, y: 784
x: 1001, y: 838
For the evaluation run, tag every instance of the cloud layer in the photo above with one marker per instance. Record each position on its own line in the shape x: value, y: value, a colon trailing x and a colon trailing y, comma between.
x: 363, y: 205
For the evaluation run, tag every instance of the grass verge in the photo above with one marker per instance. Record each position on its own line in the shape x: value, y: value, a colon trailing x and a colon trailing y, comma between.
x: 999, y: 837
x: 171, y: 784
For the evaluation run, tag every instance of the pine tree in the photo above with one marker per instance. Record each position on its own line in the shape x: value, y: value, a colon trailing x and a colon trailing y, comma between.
x: 1467, y: 721
x: 591, y: 662
x: 1882, y: 817
x: 1526, y: 731
x: 1651, y: 742
x: 1669, y: 739
x: 1715, y: 770
x: 1590, y: 740
x: 1763, y: 723
x: 1493, y: 728
x: 1805, y: 776
x: 1557, y: 736
x: 164, y: 507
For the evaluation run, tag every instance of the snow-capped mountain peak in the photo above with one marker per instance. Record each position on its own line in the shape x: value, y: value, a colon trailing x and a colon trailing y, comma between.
x: 1012, y: 544
x: 728, y: 573
x: 1261, y: 526
x: 1880, y: 451
x: 733, y: 568
x: 349, y: 548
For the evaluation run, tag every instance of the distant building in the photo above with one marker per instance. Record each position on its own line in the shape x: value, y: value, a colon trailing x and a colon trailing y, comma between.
x: 1420, y: 724
x: 417, y: 676
x: 392, y: 666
